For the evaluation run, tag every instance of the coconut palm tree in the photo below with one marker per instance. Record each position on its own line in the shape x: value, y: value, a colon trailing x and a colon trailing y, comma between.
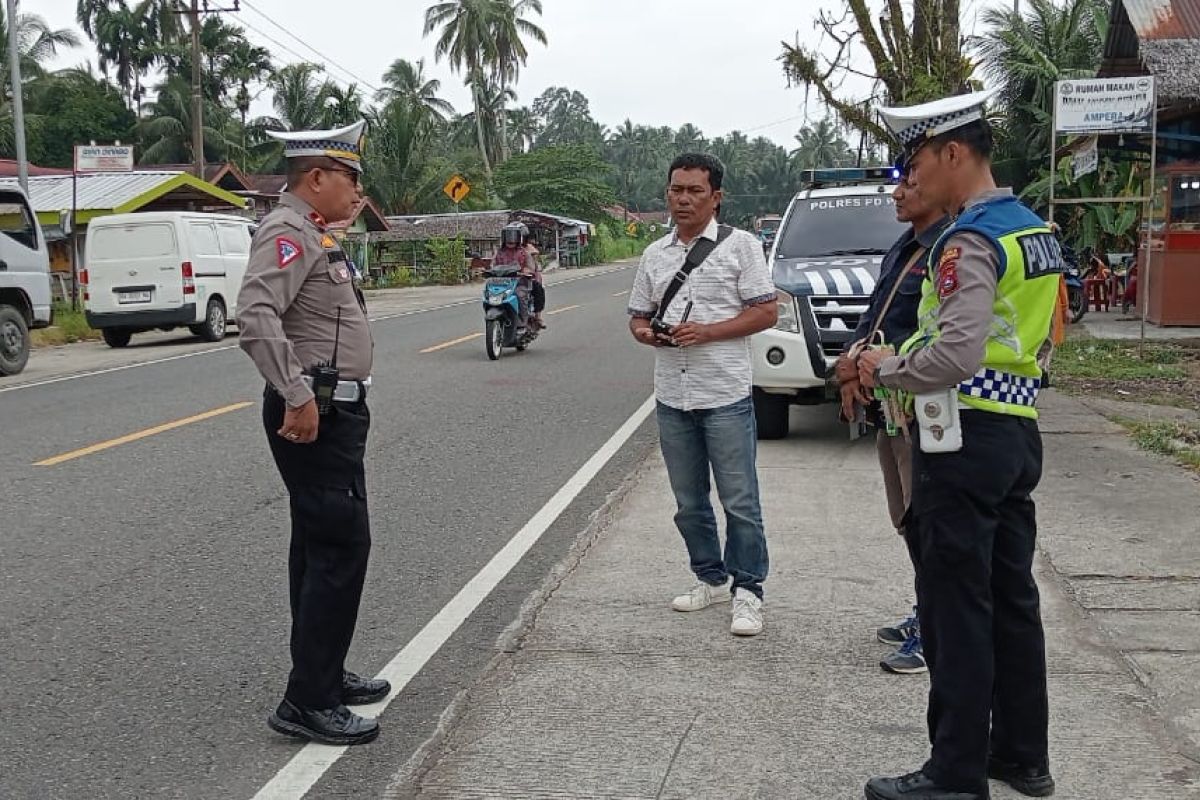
x: 341, y: 106
x: 821, y: 145
x: 467, y: 43
x: 165, y: 131
x: 523, y: 129
x: 509, y: 25
x: 406, y: 80
x: 247, y: 63
x: 1024, y: 54
x: 37, y: 43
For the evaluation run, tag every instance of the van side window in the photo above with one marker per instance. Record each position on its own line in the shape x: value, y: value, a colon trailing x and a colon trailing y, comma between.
x: 234, y: 241
x: 16, y: 220
x: 204, y: 238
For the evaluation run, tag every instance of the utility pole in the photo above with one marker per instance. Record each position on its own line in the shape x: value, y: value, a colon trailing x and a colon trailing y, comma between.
x: 197, y: 9
x: 197, y: 93
x: 18, y: 107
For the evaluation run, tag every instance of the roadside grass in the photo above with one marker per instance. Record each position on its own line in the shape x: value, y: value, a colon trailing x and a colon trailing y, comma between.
x: 1159, y: 373
x: 69, y: 327
x: 1175, y: 439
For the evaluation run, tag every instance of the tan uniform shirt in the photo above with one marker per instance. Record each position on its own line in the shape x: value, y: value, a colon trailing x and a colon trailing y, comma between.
x: 964, y: 318
x: 296, y: 282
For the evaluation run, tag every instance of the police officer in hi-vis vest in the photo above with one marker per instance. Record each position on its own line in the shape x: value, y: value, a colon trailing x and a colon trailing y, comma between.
x: 304, y: 324
x: 970, y: 376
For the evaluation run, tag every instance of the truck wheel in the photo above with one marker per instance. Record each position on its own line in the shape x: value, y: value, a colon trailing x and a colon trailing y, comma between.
x: 117, y: 337
x: 14, y: 341
x: 771, y: 415
x: 213, y: 327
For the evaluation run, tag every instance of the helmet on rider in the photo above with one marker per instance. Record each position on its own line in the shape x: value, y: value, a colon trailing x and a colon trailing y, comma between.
x: 514, y: 234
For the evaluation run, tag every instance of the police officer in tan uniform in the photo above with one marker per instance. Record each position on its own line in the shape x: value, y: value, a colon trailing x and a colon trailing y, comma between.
x: 972, y: 379
x: 304, y: 324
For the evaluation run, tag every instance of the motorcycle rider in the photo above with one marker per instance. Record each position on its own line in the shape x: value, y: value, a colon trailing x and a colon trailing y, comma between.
x: 514, y: 238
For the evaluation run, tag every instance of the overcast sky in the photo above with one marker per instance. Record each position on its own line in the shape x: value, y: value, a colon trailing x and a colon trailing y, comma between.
x: 657, y: 62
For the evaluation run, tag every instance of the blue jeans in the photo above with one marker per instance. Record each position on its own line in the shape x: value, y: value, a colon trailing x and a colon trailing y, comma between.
x: 726, y: 439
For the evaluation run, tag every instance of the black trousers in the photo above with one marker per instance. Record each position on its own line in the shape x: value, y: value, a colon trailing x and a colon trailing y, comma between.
x: 975, y: 531
x: 331, y: 539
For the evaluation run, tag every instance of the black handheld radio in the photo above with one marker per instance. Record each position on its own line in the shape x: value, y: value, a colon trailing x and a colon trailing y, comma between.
x: 325, y: 376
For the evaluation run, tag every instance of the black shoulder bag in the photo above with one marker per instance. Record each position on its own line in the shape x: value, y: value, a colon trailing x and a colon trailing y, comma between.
x: 700, y: 251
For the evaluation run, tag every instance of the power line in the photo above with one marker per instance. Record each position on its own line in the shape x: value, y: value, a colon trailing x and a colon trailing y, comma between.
x: 303, y: 58
x: 305, y: 44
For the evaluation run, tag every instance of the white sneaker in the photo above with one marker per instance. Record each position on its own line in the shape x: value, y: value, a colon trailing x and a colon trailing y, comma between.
x: 747, y: 614
x: 701, y: 596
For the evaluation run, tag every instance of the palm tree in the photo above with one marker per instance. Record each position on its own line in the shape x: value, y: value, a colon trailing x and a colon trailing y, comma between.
x: 523, y: 129
x: 406, y: 81
x: 508, y: 26
x: 467, y: 42
x: 247, y: 63
x: 341, y: 106
x: 821, y: 145
x: 490, y: 102
x: 37, y: 43
x: 689, y: 139
x: 166, y: 130
x: 1024, y: 55
x: 299, y: 98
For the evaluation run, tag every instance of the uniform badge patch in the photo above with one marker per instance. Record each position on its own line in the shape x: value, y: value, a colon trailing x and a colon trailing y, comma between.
x: 947, y: 272
x: 328, y: 242
x: 287, y: 251
x: 343, y: 273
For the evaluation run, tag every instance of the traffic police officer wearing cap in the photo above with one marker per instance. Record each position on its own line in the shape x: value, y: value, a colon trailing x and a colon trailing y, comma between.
x: 971, y: 375
x: 304, y: 324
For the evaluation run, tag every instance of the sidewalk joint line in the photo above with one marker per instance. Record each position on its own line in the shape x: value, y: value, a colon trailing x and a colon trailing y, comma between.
x: 662, y: 787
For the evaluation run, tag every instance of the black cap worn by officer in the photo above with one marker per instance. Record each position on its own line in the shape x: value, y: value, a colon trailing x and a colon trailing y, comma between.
x: 304, y: 324
x: 971, y: 376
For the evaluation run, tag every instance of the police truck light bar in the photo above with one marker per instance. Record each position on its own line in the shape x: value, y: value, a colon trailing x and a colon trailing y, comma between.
x: 850, y: 175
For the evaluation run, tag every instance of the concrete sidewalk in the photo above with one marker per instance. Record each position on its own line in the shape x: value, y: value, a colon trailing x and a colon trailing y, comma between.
x: 607, y: 693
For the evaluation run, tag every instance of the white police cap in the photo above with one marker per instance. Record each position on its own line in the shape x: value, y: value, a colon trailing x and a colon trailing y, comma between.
x: 915, y: 124
x: 343, y: 144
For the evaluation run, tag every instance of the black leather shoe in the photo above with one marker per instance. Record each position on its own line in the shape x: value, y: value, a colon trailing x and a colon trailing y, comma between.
x: 357, y: 691
x: 917, y: 786
x: 336, y: 726
x: 1030, y: 781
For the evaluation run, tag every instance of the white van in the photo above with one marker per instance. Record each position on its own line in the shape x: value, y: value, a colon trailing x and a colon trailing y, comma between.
x: 24, y: 279
x: 164, y: 270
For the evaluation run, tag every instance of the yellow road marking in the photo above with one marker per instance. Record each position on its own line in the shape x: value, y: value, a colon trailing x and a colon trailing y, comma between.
x: 560, y: 310
x: 133, y: 437
x: 451, y: 343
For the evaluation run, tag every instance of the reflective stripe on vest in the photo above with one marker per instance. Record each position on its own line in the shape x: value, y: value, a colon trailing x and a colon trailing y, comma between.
x: 1001, y: 387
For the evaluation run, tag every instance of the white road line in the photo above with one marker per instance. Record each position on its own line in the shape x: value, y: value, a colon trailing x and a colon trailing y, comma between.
x: 152, y: 362
x: 300, y: 774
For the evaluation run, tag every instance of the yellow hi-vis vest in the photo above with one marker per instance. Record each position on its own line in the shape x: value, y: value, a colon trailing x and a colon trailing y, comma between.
x: 1030, y: 263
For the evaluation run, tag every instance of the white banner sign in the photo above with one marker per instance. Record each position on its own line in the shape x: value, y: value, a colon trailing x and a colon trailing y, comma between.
x: 1105, y: 105
x: 103, y: 158
x: 1086, y: 160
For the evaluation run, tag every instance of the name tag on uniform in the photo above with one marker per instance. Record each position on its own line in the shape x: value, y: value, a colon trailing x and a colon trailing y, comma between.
x: 1042, y: 254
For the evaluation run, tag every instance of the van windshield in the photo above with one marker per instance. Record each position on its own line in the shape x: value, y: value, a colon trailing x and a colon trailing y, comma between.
x: 131, y: 241
x: 832, y: 226
x: 16, y: 221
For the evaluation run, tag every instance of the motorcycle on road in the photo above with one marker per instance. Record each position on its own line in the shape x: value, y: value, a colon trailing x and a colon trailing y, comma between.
x: 506, y: 304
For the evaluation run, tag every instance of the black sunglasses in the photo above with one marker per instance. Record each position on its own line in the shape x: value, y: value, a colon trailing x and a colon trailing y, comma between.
x: 353, y: 175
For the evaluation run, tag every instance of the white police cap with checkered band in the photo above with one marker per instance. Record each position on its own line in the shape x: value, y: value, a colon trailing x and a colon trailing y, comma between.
x: 341, y: 144
x: 915, y: 124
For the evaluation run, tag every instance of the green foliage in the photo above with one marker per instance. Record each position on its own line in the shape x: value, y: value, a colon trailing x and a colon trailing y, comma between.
x: 70, y: 326
x: 608, y: 246
x: 74, y: 107
x: 1179, y: 440
x: 561, y: 179
x: 449, y: 260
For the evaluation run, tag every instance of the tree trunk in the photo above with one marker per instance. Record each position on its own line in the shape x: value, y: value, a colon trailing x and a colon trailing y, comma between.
x: 487, y: 166
x: 504, y: 149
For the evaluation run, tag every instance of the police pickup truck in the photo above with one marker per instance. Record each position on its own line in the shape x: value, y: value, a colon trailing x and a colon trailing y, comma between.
x: 825, y: 262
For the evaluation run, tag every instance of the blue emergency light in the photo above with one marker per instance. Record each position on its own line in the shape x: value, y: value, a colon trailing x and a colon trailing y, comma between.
x: 850, y: 175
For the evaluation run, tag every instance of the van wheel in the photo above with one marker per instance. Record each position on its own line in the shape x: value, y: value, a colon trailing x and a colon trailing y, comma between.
x: 213, y: 328
x: 771, y: 415
x: 117, y: 337
x: 14, y: 341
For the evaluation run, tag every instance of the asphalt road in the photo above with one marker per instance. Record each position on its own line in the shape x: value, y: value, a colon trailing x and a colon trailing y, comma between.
x: 143, y: 599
